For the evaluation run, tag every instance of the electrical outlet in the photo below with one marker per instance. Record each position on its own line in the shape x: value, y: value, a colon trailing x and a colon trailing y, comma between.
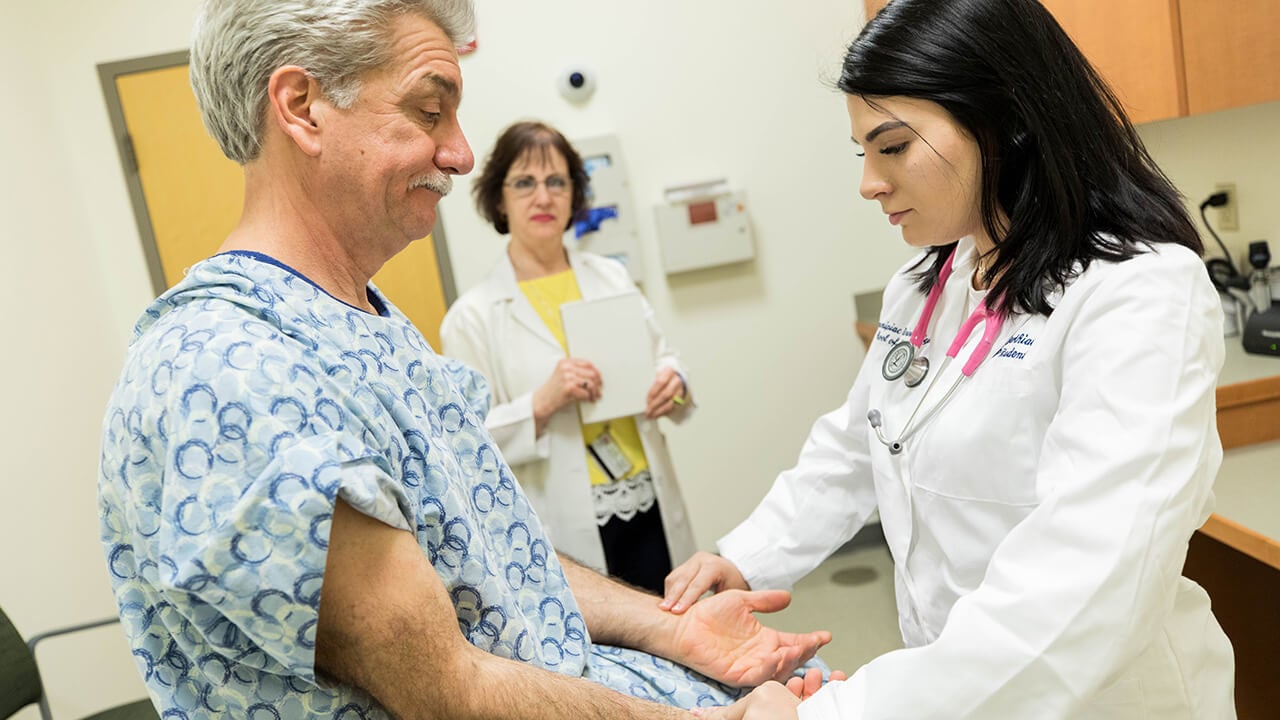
x: 1229, y: 214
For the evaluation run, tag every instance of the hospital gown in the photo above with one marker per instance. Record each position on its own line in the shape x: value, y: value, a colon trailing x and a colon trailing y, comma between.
x: 250, y: 401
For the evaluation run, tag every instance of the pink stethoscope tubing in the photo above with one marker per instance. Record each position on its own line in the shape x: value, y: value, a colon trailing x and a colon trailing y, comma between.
x: 992, y: 322
x: 981, y: 314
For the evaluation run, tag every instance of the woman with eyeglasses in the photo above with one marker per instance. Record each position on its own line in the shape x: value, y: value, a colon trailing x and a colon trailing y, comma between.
x: 606, y: 492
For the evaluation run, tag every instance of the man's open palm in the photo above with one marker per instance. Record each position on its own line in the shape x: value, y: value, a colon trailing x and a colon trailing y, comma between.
x: 721, y: 638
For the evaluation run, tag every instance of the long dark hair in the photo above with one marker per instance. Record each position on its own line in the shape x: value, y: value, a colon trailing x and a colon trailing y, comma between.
x: 1060, y: 158
x: 514, y: 142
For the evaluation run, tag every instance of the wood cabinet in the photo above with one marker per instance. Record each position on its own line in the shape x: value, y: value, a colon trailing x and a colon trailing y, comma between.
x: 1243, y: 591
x: 1232, y: 52
x: 1136, y: 46
x: 1172, y: 58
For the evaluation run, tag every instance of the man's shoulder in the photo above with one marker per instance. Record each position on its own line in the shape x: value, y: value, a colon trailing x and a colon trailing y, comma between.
x: 220, y: 354
x: 217, y: 329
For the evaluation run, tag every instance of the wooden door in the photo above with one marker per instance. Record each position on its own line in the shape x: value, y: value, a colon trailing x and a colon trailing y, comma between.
x: 188, y: 195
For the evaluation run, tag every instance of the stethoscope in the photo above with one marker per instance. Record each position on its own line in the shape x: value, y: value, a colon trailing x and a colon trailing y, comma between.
x: 903, y: 360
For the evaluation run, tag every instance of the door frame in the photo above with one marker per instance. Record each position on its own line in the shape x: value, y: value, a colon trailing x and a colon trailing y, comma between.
x: 107, y: 74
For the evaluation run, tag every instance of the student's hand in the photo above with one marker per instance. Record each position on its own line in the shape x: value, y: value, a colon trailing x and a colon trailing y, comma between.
x: 695, y: 576
x: 573, y: 380
x: 770, y: 701
x: 665, y: 395
x: 721, y: 638
x: 803, y: 687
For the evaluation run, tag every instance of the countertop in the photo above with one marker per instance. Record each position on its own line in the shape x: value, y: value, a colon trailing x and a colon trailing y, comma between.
x: 1247, y: 514
x: 1240, y: 366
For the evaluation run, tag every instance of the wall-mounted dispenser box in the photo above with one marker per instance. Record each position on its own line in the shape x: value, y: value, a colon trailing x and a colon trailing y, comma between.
x: 703, y: 225
x: 610, y: 228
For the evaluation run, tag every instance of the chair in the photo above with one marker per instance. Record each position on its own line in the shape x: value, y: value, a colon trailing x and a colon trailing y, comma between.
x: 20, y: 684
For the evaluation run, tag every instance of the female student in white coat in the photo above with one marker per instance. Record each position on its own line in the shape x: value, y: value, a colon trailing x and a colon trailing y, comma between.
x: 606, y: 492
x: 1037, y: 495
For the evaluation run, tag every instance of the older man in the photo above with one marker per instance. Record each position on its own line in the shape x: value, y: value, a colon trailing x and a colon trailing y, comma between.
x: 302, y: 511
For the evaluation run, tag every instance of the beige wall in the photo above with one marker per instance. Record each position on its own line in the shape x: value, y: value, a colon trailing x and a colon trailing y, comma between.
x: 769, y: 343
x: 1240, y: 146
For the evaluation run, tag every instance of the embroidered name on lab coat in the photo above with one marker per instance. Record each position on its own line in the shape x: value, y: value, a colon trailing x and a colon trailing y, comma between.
x: 1015, y: 347
x: 892, y: 334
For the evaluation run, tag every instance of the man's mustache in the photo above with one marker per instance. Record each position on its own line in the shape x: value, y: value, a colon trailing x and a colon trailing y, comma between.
x: 436, y: 182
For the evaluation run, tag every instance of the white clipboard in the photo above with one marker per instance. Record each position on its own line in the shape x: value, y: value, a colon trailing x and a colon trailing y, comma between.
x: 611, y: 334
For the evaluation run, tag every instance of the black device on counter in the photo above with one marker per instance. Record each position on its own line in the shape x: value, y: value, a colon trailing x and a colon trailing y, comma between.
x: 1259, y: 254
x: 1262, y: 328
x: 1262, y: 332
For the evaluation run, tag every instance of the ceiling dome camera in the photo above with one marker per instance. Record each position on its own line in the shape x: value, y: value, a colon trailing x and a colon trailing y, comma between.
x: 576, y: 83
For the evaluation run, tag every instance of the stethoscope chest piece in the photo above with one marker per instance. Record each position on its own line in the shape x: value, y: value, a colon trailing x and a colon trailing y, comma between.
x: 902, y: 362
x: 916, y: 371
x: 898, y: 360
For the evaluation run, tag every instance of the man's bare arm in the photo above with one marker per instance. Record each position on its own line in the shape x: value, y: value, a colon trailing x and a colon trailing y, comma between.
x: 617, y: 614
x: 719, y: 636
x: 387, y: 626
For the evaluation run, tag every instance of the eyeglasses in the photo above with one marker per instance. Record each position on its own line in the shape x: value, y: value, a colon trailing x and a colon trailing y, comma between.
x: 527, y: 184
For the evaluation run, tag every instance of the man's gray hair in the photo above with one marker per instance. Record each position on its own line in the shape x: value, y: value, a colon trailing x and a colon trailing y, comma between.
x: 237, y: 44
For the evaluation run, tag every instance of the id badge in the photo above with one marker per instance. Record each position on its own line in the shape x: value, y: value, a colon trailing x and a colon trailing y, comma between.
x: 609, y: 455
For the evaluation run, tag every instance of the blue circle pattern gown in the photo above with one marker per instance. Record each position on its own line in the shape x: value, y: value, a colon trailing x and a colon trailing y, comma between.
x: 250, y: 401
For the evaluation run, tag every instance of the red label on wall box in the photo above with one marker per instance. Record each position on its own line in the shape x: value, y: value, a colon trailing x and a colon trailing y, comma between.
x: 702, y: 212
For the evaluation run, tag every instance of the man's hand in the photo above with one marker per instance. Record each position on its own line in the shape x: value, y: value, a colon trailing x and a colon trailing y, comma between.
x: 719, y: 637
x: 695, y: 576
x: 770, y: 701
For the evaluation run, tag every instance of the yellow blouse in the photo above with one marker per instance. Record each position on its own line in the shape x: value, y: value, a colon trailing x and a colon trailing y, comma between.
x: 546, y: 295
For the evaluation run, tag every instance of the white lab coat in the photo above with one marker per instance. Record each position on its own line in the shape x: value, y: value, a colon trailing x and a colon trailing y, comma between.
x: 1039, y: 522
x: 495, y: 330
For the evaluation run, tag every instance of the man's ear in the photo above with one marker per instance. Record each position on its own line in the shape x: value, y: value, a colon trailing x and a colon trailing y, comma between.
x: 295, y: 105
